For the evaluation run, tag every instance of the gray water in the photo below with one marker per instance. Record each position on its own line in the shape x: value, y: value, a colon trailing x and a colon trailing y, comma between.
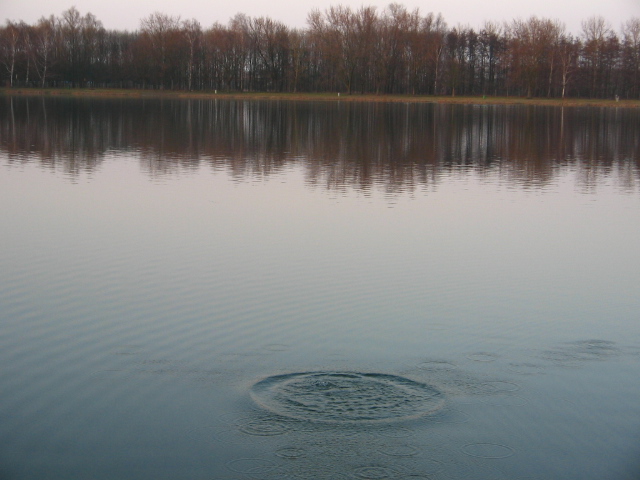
x: 262, y: 290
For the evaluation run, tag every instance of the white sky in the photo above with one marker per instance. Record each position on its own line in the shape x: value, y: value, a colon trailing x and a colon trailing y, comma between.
x: 126, y: 14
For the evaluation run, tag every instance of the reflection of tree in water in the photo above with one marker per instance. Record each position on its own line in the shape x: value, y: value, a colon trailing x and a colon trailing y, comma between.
x: 58, y: 135
x: 394, y: 147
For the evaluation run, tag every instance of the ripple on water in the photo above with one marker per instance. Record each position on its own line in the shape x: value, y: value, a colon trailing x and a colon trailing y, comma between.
x: 574, y: 353
x: 398, y: 432
x: 291, y: 452
x: 505, y: 400
x: 339, y: 397
x: 375, y: 472
x: 263, y: 429
x: 526, y: 368
x: 404, y: 450
x: 451, y: 416
x: 487, y: 450
x: 483, y: 357
x: 303, y: 472
x: 251, y: 466
x: 498, y: 386
x: 344, y: 449
x: 437, y: 366
x: 276, y: 347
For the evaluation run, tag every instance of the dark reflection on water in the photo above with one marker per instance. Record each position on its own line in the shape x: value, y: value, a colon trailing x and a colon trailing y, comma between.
x: 398, y: 146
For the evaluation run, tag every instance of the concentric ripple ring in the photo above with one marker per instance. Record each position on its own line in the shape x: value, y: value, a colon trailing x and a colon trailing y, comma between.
x: 342, y: 397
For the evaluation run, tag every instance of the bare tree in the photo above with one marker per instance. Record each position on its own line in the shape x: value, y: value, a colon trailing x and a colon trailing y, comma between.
x: 344, y: 49
x: 269, y: 42
x: 226, y: 54
x: 192, y: 31
x: 42, y: 43
x: 532, y: 45
x: 298, y: 48
x: 158, y: 29
x: 492, y: 47
x: 347, y: 42
x: 92, y: 41
x: 568, y: 51
x: 554, y: 32
x: 71, y: 31
x: 393, y: 52
x: 631, y: 55
x: 595, y: 31
x: 434, y: 30
x: 9, y: 48
x: 341, y: 43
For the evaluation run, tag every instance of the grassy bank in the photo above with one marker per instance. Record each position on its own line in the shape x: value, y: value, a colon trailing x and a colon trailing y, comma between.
x: 475, y: 100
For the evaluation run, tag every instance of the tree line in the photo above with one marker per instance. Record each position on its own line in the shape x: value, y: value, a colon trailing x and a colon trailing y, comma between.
x: 396, y: 51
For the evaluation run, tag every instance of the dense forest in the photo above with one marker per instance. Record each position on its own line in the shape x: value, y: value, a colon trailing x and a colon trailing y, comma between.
x: 340, y: 50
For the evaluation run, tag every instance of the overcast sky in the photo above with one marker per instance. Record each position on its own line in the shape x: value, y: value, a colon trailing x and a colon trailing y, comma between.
x: 126, y: 14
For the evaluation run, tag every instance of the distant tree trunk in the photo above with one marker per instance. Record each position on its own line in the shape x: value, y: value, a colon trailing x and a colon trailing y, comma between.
x: 438, y: 55
x: 9, y: 43
x: 550, y: 78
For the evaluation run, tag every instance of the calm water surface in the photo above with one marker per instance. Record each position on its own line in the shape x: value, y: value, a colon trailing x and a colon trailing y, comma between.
x: 253, y: 290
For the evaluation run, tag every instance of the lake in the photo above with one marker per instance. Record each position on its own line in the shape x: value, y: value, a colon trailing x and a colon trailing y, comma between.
x: 226, y: 289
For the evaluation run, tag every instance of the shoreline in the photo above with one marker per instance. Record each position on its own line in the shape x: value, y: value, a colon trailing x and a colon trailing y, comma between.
x: 325, y: 97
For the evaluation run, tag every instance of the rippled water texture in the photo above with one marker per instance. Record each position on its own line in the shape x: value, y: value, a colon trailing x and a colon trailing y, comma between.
x: 197, y: 289
x: 346, y: 397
